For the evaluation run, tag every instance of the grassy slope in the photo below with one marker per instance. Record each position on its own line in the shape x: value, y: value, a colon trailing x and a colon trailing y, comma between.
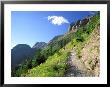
x: 56, y: 65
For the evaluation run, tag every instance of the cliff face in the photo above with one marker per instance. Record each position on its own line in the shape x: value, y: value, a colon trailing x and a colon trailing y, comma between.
x: 73, y: 27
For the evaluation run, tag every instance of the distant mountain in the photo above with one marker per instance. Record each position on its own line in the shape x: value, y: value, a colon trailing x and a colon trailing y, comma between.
x: 54, y: 55
x: 55, y: 38
x: 39, y: 45
x: 22, y: 52
x: 19, y: 53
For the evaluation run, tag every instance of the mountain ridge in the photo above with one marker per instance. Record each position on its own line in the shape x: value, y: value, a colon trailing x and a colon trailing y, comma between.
x: 21, y: 52
x: 52, y: 60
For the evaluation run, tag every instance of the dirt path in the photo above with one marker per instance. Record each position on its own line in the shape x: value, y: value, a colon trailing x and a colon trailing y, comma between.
x: 76, y: 68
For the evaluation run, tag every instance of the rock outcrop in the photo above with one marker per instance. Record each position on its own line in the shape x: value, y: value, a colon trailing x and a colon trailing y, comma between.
x: 80, y: 23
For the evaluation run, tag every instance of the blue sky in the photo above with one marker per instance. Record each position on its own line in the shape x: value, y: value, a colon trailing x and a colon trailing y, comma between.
x: 29, y: 27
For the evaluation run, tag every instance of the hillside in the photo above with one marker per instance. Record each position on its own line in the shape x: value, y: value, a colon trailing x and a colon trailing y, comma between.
x: 55, y: 39
x: 87, y: 64
x: 52, y: 61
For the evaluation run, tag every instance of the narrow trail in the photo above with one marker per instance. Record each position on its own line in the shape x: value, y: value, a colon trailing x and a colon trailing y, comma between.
x: 76, y: 67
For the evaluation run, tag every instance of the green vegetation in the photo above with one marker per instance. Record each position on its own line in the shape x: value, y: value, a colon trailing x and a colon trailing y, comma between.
x: 52, y: 60
x: 54, y: 66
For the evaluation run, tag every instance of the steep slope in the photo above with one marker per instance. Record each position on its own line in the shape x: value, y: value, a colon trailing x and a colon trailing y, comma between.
x: 56, y: 65
x: 54, y: 57
x: 75, y: 67
x: 41, y: 51
x: 91, y: 51
x: 55, y: 39
x: 88, y: 64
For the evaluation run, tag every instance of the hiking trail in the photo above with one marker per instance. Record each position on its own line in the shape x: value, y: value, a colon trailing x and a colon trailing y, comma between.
x: 76, y: 67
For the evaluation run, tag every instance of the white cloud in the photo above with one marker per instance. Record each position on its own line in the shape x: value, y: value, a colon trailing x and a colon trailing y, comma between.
x: 57, y: 20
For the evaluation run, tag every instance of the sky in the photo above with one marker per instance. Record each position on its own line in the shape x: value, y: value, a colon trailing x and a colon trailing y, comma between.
x: 29, y: 27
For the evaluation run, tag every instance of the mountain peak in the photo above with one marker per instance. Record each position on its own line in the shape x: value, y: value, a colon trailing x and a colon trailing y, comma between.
x: 39, y: 45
